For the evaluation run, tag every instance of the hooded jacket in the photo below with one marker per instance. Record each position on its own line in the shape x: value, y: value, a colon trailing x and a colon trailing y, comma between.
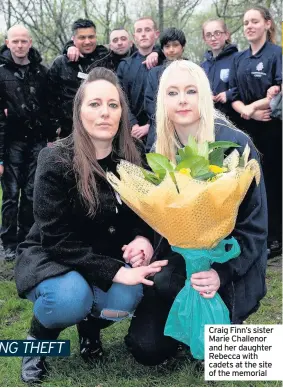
x: 23, y: 96
x: 217, y: 70
x: 64, y: 79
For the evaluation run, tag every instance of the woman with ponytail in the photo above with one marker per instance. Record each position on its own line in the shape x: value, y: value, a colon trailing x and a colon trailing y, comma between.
x: 256, y: 76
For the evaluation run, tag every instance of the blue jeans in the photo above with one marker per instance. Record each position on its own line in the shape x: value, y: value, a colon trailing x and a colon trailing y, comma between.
x: 65, y: 300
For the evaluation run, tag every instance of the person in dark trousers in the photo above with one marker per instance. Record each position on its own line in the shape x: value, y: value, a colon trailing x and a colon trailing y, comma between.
x: 217, y: 64
x: 120, y: 47
x: 256, y: 73
x: 133, y: 73
x: 90, y: 253
x: 185, y: 107
x: 65, y: 76
x: 24, y: 131
x: 172, y: 42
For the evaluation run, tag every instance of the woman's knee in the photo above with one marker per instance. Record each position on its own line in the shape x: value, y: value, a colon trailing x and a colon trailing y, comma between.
x: 63, y: 301
x: 121, y: 302
x: 150, y: 353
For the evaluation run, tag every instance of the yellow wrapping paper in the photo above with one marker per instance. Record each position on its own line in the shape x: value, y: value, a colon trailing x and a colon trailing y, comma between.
x: 199, y: 216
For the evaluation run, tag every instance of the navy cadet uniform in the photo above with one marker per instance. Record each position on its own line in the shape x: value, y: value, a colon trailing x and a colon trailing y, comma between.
x: 251, y: 76
x: 132, y: 74
x: 217, y: 70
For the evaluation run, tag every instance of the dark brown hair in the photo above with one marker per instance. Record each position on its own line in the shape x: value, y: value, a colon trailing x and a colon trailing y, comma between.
x: 85, y: 164
x: 223, y: 24
x: 265, y: 13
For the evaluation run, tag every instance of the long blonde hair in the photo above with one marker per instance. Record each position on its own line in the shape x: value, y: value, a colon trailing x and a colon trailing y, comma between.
x: 166, y: 142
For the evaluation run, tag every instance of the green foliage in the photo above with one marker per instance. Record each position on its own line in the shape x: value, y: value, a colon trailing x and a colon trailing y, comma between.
x: 193, y: 160
x: 119, y: 368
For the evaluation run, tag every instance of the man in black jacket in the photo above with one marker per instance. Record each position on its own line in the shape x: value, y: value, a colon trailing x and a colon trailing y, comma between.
x: 120, y: 47
x: 133, y: 72
x: 65, y: 76
x: 23, y: 132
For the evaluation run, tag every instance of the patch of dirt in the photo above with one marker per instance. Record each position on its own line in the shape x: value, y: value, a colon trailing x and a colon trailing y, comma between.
x: 275, y: 263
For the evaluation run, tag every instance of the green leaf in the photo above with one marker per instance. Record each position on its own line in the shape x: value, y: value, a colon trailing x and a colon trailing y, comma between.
x: 158, y: 163
x: 203, y: 149
x: 189, y: 152
x: 216, y: 157
x: 206, y: 176
x: 151, y: 177
x: 192, y: 144
x: 222, y: 144
x: 189, y: 162
x: 199, y: 168
x: 181, y: 153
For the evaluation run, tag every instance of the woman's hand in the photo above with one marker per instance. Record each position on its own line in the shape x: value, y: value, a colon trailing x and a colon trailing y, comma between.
x: 206, y: 283
x: 133, y: 276
x: 247, y: 111
x: 262, y: 115
x: 273, y: 91
x: 221, y: 97
x: 138, y: 252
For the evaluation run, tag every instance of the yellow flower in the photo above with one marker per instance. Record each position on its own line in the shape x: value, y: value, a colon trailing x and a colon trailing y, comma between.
x: 185, y: 171
x: 217, y: 169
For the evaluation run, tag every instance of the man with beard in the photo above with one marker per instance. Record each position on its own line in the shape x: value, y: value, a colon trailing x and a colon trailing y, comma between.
x: 65, y: 76
x: 24, y: 130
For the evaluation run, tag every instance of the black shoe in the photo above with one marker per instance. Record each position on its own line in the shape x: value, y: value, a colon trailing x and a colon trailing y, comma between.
x: 34, y: 368
x: 89, y: 336
x: 274, y: 249
x: 10, y: 254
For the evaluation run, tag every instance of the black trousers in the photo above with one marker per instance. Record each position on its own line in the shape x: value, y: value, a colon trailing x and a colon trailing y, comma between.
x: 17, y: 186
x: 267, y: 137
x: 145, y: 339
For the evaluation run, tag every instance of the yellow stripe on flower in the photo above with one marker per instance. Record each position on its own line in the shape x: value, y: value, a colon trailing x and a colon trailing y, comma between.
x: 216, y: 169
x: 185, y: 171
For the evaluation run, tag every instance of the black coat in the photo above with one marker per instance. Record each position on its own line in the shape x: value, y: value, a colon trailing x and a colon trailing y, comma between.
x: 23, y: 94
x: 64, y: 237
x: 243, y: 278
x: 64, y: 79
x: 110, y: 60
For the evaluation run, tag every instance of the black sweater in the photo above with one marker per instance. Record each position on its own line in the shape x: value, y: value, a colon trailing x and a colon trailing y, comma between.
x: 64, y: 237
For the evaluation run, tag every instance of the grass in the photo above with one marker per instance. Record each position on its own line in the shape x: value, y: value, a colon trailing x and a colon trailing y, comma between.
x: 119, y: 368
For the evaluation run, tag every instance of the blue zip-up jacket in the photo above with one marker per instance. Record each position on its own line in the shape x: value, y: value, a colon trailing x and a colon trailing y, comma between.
x: 133, y: 75
x: 217, y: 70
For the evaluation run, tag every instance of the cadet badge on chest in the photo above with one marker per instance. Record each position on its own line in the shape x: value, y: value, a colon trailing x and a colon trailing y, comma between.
x: 259, y: 70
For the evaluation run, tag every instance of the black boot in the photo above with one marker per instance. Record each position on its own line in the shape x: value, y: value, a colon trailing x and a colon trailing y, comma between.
x: 34, y: 368
x: 89, y: 337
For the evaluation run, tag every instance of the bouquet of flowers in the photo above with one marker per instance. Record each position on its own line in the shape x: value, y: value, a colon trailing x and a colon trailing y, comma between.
x: 194, y: 205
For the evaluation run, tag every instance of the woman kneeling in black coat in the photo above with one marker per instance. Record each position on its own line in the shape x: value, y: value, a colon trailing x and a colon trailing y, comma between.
x: 72, y: 264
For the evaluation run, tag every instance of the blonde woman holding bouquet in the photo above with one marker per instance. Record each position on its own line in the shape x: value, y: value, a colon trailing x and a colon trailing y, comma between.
x: 185, y: 107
